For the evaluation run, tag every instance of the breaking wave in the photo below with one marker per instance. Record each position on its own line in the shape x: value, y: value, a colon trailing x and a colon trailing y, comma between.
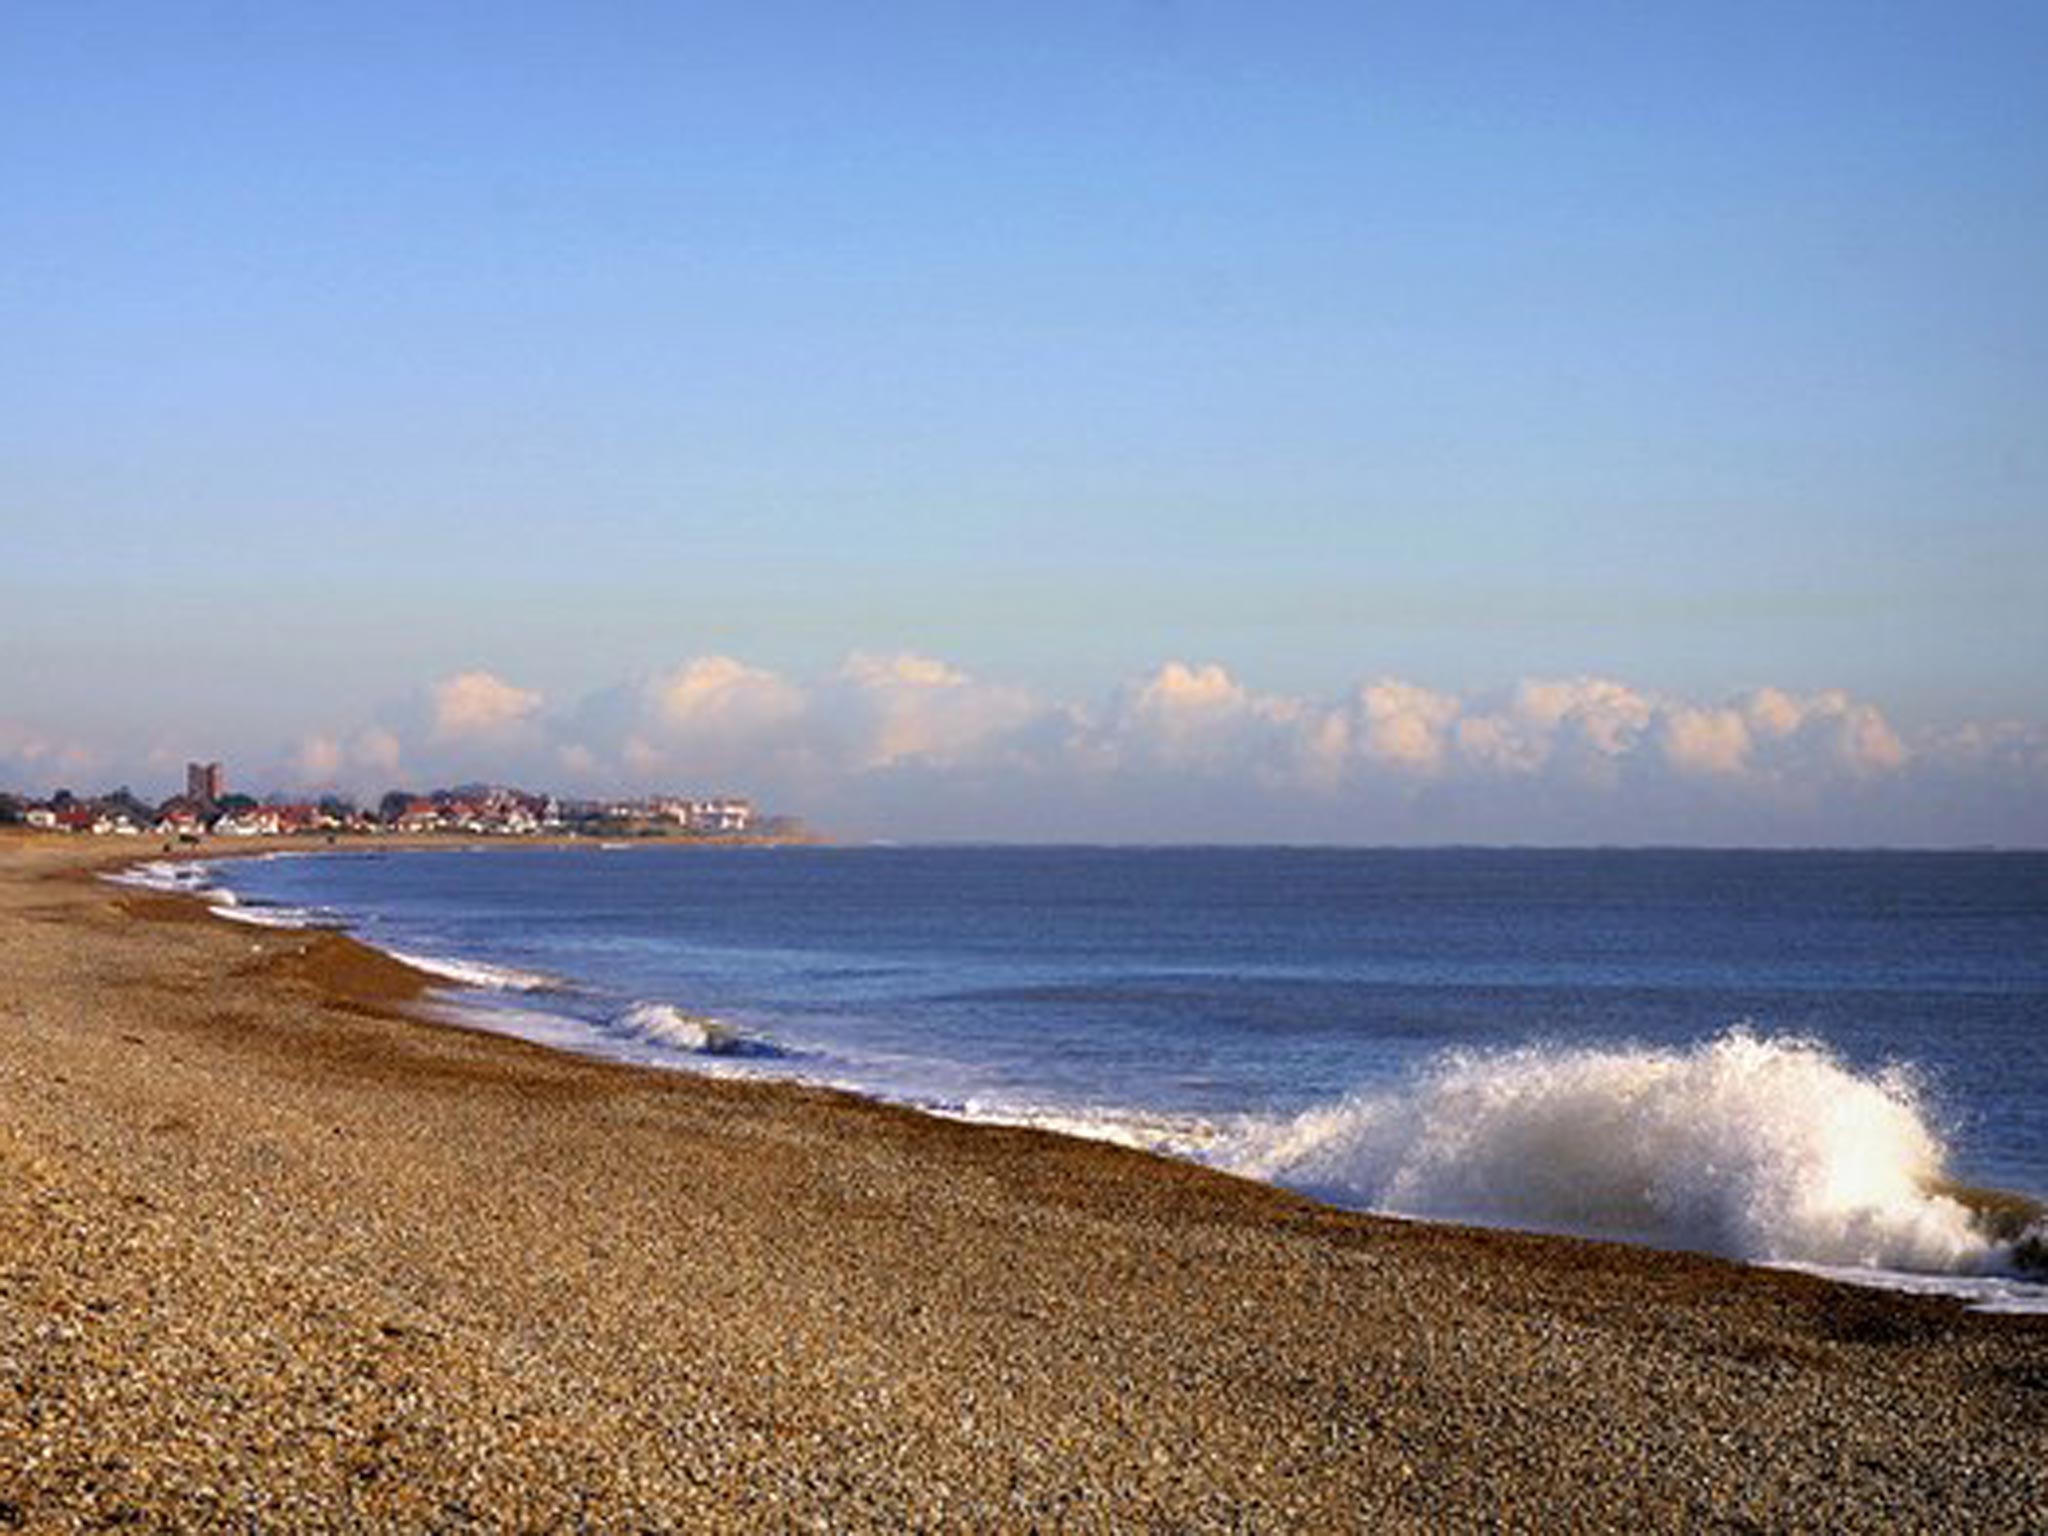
x: 476, y: 974
x: 666, y: 1025
x: 1771, y: 1150
x: 262, y: 916
x: 187, y: 877
x: 191, y: 877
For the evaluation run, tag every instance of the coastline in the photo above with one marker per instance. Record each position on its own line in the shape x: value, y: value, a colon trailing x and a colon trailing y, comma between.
x: 276, y: 1248
x: 1995, y: 1259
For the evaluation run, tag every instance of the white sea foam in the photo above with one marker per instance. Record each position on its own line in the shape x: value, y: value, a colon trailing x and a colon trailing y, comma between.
x: 194, y: 877
x: 477, y: 974
x: 1184, y: 1136
x: 259, y: 917
x: 557, y: 1031
x: 1983, y: 1293
x: 1765, y: 1149
x: 666, y: 1025
x: 187, y: 877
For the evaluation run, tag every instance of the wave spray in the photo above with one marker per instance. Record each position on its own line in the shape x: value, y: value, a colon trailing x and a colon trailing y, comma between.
x: 1765, y: 1149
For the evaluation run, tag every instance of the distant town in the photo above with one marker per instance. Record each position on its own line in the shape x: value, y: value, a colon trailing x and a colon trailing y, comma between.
x: 208, y: 808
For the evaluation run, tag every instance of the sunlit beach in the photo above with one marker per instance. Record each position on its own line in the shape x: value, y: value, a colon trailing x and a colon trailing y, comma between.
x: 1140, y: 767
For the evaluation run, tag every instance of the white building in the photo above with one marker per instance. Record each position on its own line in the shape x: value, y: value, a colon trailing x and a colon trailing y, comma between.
x: 715, y: 817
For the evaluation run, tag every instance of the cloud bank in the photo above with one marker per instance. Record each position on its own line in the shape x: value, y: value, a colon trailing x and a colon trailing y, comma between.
x: 910, y: 746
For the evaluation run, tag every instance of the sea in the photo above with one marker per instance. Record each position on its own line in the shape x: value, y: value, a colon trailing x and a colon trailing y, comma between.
x: 1829, y: 1060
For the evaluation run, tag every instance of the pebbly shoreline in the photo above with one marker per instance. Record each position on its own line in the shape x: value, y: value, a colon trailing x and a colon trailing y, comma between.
x: 277, y: 1253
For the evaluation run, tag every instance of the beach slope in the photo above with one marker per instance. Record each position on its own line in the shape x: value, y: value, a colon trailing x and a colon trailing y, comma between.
x: 276, y: 1250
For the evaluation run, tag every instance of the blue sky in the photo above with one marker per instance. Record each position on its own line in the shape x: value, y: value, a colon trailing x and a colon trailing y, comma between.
x: 350, y: 350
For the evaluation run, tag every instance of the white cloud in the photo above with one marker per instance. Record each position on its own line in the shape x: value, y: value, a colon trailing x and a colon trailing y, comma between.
x: 1178, y: 692
x: 1773, y: 713
x: 1794, y: 736
x: 1201, y: 722
x: 717, y: 696
x: 1580, y: 726
x: 479, y: 704
x: 1870, y: 743
x: 1405, y: 725
x: 1502, y: 744
x: 906, y: 744
x: 1182, y: 714
x: 911, y: 708
x: 1706, y: 741
x: 1607, y: 716
x: 1857, y: 735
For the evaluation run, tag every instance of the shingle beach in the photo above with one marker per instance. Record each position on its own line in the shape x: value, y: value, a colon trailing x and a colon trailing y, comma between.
x: 278, y: 1252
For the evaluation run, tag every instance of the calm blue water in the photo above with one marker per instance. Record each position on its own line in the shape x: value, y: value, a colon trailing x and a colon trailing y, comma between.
x: 1203, y: 986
